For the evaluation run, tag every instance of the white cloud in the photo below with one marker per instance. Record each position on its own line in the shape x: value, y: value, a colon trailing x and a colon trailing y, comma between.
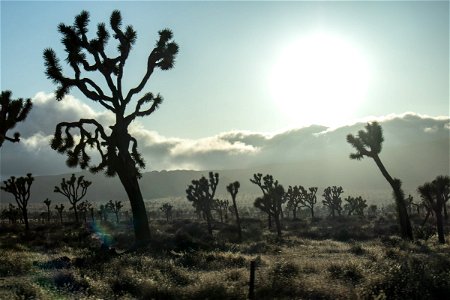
x: 233, y: 149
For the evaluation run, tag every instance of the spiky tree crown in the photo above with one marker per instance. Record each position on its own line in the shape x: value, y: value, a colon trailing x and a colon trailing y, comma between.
x: 20, y: 188
x: 12, y: 112
x: 89, y: 55
x: 368, y: 142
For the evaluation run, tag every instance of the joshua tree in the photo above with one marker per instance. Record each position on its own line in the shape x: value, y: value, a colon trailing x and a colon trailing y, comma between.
x: 369, y: 143
x: 222, y: 207
x: 60, y: 209
x: 117, y: 149
x: 103, y: 212
x: 201, y: 193
x: 233, y: 189
x: 372, y: 210
x: 332, y: 196
x: 20, y: 188
x: 166, y: 208
x: 294, y: 198
x: 48, y: 202
x: 271, y: 203
x: 434, y: 194
x: 12, y: 214
x: 115, y: 207
x: 82, y: 207
x: 310, y: 199
x: 12, y: 112
x: 266, y: 184
x: 355, y: 205
x: 71, y: 189
x: 91, y: 209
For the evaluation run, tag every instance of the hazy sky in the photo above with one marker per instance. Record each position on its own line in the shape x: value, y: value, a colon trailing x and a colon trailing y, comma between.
x: 231, y: 53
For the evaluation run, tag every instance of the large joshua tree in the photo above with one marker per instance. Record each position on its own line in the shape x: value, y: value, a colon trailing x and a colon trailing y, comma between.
x: 369, y: 143
x: 117, y: 149
x: 12, y: 112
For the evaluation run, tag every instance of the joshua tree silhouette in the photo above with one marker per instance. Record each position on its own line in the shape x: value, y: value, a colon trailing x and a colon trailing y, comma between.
x: 355, y: 205
x: 332, y: 196
x: 12, y: 112
x: 266, y: 183
x: 60, y: 210
x: 48, y: 202
x: 233, y: 189
x: 118, y: 150
x: 115, y: 207
x: 271, y: 203
x: 20, y: 188
x: 166, y: 208
x: 435, y: 194
x: 71, y: 189
x: 201, y: 193
x: 369, y: 143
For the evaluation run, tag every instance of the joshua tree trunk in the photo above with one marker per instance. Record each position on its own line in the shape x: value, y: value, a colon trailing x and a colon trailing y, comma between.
x: 238, y: 220
x: 294, y: 213
x: 76, y: 212
x: 208, y: 222
x: 405, y: 224
x: 269, y: 221
x: 440, y: 226
x: 140, y: 220
x: 278, y: 225
x: 312, y: 213
x: 60, y: 217
x: 25, y: 219
x: 445, y: 211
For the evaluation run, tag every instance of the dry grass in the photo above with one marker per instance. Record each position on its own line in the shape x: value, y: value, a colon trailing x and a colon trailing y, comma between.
x: 62, y: 265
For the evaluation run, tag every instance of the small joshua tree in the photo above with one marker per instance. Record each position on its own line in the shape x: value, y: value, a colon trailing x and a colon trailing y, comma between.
x: 74, y: 189
x: 355, y: 205
x: 333, y: 201
x: 266, y: 184
x: 369, y: 143
x: 12, y: 112
x: 115, y: 207
x: 82, y: 207
x: 60, y: 210
x: 294, y: 199
x: 201, y: 193
x: 103, y: 212
x: 166, y: 208
x: 222, y: 207
x: 435, y: 194
x: 12, y: 214
x: 117, y: 149
x: 233, y: 189
x: 48, y: 202
x: 271, y: 203
x: 20, y: 188
x: 310, y: 199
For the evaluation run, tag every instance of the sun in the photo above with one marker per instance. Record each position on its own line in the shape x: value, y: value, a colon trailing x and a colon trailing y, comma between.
x: 319, y: 79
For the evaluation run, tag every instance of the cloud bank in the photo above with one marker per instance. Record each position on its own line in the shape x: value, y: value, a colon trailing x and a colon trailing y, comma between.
x: 227, y: 150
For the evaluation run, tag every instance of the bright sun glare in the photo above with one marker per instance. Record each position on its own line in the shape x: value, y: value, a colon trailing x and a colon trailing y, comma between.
x: 319, y: 79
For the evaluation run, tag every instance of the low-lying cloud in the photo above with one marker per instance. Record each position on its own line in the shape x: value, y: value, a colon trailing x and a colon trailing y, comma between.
x: 228, y: 150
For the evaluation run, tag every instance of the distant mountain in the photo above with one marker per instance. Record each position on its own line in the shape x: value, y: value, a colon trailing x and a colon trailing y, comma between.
x: 416, y: 149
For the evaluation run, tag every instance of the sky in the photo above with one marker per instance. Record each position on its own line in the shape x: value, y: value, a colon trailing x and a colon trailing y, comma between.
x: 249, y: 67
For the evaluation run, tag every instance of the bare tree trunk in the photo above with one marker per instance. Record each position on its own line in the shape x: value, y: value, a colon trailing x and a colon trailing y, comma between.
x: 403, y: 218
x: 440, y: 226
x: 140, y: 219
x: 278, y: 224
x: 238, y: 221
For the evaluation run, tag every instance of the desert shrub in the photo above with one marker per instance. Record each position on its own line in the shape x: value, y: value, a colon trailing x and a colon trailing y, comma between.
x: 279, y: 282
x: 424, y: 232
x: 123, y: 283
x: 213, y: 290
x: 66, y: 280
x: 20, y: 289
x: 212, y: 261
x: 348, y: 272
x: 261, y: 247
x: 13, y: 263
x: 357, y: 249
x: 412, y: 279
